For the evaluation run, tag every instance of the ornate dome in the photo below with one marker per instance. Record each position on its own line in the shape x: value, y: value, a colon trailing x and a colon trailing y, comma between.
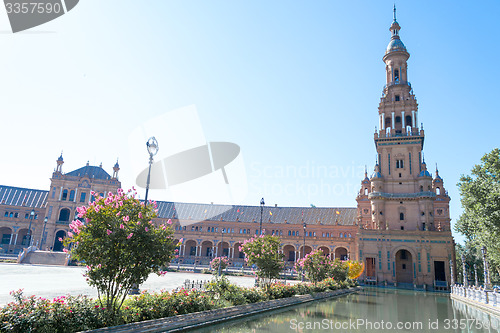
x: 425, y: 173
x: 395, y: 45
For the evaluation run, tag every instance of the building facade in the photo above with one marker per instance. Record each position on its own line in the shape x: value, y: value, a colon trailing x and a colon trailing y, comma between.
x: 400, y: 229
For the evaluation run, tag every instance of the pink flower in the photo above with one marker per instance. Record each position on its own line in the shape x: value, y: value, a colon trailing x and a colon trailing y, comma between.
x: 126, y: 218
x: 109, y: 232
x: 122, y: 226
x: 147, y: 229
x: 130, y: 235
x: 139, y: 223
x: 118, y: 214
x: 70, y: 234
x: 65, y: 250
x: 169, y: 221
x: 60, y: 239
x: 140, y: 215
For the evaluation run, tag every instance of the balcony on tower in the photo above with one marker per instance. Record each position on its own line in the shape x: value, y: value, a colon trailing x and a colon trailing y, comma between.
x: 396, y: 82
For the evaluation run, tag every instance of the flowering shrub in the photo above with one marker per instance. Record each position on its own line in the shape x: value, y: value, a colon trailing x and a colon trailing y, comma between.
x: 61, y: 314
x: 263, y: 251
x: 165, y: 304
x: 316, y: 265
x: 280, y: 290
x: 72, y: 314
x: 120, y: 245
x: 218, y: 261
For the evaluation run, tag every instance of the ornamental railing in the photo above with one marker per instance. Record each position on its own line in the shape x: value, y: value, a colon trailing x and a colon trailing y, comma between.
x: 394, y: 83
x: 478, y: 294
x: 425, y: 194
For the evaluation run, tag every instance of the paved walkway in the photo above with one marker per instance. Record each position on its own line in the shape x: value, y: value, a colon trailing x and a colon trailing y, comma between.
x: 52, y: 281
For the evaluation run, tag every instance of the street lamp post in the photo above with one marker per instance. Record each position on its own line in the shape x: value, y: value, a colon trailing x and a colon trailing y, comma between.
x: 221, y: 250
x: 43, y: 232
x: 303, y: 249
x: 476, y: 281
x: 32, y: 214
x: 487, y: 283
x: 452, y: 276
x: 152, y: 146
x: 262, y: 203
x: 466, y: 281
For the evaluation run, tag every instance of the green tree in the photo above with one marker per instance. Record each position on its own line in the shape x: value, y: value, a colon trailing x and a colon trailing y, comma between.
x: 119, y: 243
x: 473, y: 256
x: 480, y: 198
x: 263, y: 251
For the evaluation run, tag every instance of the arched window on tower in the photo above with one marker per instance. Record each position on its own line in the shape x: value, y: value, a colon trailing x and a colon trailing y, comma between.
x: 388, y: 122
x: 366, y: 191
x: 398, y: 125
x: 396, y: 75
x: 438, y: 191
x: 421, y: 188
x: 402, y: 216
x: 408, y: 121
x: 64, y: 195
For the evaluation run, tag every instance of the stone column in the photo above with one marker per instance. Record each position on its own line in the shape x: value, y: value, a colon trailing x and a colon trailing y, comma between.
x: 413, y: 119
x: 392, y: 127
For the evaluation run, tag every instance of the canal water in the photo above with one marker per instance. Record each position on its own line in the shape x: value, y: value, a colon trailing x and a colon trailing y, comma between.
x: 370, y: 310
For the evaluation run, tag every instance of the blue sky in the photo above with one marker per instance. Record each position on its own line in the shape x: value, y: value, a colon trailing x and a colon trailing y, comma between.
x: 295, y: 84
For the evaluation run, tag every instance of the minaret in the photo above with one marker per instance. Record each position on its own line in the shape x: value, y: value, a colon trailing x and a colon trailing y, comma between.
x: 60, y: 162
x: 116, y: 168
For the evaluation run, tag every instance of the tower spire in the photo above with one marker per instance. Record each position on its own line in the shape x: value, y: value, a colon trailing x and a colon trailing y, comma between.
x: 394, y: 12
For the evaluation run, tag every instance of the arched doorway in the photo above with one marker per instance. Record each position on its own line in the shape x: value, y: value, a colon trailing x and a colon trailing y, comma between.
x: 190, y: 248
x: 301, y: 251
x: 5, y: 236
x: 289, y: 252
x: 341, y: 253
x: 404, y: 267
x: 237, y: 253
x: 58, y: 245
x: 223, y: 249
x: 206, y: 249
x: 22, y: 237
x: 325, y: 250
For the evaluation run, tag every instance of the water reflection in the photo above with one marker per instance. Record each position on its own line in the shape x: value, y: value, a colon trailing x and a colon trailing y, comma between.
x: 370, y: 310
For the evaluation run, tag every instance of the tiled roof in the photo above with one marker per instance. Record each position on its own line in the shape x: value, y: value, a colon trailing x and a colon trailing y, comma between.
x: 17, y: 196
x: 292, y: 215
x: 91, y: 172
